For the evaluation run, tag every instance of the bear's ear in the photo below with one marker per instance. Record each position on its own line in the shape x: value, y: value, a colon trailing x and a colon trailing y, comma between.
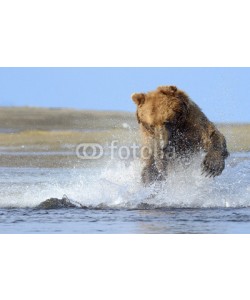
x: 167, y: 90
x: 139, y: 99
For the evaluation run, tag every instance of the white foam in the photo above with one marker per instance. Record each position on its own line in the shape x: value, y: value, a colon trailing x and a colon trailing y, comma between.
x: 118, y: 186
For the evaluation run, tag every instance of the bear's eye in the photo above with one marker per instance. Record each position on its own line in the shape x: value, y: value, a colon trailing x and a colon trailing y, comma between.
x: 150, y: 128
x: 168, y: 124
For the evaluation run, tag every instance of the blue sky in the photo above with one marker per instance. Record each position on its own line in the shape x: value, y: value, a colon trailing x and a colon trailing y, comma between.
x: 222, y: 93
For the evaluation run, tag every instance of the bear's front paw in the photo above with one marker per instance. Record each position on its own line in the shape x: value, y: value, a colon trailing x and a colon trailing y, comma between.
x: 213, y: 165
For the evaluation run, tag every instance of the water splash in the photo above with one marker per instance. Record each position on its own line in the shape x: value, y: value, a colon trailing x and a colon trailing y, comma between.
x: 118, y: 186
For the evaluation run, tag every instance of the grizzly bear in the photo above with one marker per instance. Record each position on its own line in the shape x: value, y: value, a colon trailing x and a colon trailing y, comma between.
x: 174, y: 128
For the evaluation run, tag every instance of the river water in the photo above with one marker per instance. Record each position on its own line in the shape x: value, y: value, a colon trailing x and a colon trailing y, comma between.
x: 115, y: 202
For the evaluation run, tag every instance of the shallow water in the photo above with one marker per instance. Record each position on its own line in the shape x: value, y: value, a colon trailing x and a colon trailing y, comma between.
x: 115, y: 201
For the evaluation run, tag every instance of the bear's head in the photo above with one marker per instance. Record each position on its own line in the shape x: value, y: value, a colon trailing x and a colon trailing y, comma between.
x: 161, y: 112
x: 165, y: 107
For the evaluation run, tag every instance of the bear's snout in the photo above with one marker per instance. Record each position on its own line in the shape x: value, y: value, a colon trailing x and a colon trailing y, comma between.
x: 161, y: 135
x: 161, y: 138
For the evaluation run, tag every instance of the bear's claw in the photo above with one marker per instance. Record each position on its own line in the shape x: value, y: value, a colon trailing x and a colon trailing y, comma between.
x: 212, y: 167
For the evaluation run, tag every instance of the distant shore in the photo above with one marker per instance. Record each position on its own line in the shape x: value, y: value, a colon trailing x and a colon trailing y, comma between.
x: 29, y: 130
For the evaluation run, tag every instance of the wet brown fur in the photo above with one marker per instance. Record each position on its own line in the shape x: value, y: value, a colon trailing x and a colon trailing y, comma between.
x: 183, y: 128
